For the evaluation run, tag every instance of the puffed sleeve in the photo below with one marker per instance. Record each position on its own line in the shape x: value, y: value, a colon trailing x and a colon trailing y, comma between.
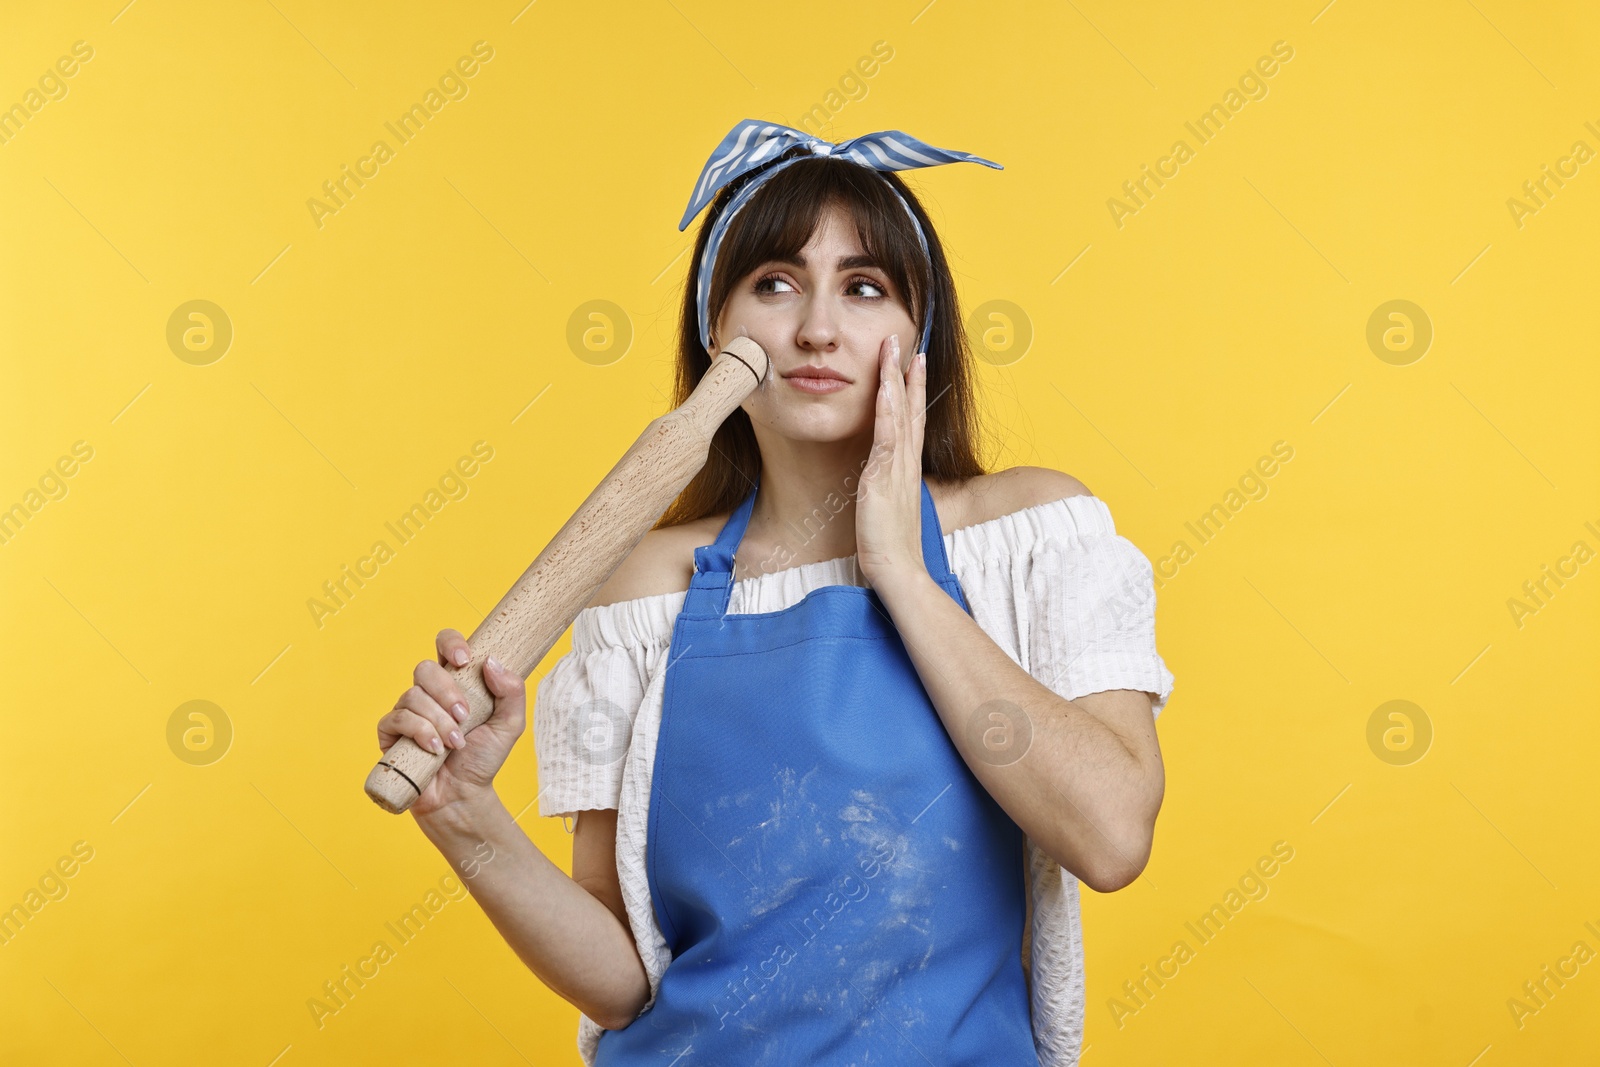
x: 1073, y: 599
x: 586, y: 704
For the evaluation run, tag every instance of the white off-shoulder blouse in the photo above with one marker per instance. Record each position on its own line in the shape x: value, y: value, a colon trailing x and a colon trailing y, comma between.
x: 1069, y: 600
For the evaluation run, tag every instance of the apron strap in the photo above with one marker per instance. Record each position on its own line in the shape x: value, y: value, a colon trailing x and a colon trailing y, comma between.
x: 933, y: 539
x: 712, y: 585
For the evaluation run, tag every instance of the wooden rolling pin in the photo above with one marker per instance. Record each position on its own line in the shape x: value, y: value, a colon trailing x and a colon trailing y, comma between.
x: 582, y: 556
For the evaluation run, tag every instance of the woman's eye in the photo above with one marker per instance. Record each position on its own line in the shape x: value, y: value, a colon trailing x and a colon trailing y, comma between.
x: 768, y: 285
x: 774, y: 279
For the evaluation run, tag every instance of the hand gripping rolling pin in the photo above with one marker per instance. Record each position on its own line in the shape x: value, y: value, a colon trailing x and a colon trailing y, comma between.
x: 611, y: 521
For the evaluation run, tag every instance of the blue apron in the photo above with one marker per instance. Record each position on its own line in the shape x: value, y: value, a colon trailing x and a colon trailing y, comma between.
x: 834, y: 884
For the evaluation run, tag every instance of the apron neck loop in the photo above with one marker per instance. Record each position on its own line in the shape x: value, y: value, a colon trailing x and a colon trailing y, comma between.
x: 712, y: 585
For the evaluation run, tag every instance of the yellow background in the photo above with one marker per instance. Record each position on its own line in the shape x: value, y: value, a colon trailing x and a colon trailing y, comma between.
x: 369, y: 354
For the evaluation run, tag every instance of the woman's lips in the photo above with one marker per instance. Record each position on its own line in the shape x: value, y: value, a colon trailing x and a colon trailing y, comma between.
x: 816, y: 385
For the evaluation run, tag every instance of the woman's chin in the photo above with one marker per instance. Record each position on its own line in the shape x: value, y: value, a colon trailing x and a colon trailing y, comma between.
x: 808, y: 422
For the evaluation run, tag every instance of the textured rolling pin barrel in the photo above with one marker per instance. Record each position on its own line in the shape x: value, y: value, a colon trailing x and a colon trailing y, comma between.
x: 583, y: 554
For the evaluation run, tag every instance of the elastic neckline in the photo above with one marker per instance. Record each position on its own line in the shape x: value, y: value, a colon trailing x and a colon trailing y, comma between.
x: 1088, y: 511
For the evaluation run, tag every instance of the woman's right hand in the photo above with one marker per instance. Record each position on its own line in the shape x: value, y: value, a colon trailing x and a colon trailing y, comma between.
x: 430, y: 713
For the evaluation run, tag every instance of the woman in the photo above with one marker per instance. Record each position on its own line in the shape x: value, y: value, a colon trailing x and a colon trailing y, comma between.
x: 875, y: 710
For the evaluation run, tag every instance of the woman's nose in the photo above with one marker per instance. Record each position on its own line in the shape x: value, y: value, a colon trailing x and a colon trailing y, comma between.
x: 819, y: 327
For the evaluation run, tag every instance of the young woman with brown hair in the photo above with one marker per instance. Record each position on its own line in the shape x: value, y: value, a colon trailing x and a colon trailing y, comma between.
x: 849, y: 726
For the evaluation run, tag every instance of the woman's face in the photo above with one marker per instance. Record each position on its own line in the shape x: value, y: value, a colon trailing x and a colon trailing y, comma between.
x: 829, y: 309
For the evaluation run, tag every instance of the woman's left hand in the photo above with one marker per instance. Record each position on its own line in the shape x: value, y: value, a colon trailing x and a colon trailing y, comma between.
x: 889, y: 496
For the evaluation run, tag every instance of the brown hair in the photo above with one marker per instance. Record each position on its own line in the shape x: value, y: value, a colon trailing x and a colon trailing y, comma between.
x: 778, y: 221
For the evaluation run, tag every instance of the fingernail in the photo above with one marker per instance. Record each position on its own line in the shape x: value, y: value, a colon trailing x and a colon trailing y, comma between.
x: 455, y: 738
x: 461, y: 657
x: 922, y: 359
x: 496, y: 665
x: 433, y: 743
x: 459, y: 710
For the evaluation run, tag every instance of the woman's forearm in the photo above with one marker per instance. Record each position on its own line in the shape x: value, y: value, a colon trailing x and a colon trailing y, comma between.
x: 565, y: 935
x: 1077, y: 790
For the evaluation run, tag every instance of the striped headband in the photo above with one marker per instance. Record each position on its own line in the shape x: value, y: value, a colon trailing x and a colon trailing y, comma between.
x: 751, y: 145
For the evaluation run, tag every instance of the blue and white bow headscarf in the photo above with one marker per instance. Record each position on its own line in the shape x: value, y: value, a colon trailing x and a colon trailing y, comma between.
x: 752, y: 144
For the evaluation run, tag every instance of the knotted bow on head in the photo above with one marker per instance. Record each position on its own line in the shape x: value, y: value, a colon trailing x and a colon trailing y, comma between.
x: 751, y: 145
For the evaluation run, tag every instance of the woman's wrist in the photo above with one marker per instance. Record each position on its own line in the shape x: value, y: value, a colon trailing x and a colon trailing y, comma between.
x: 467, y: 816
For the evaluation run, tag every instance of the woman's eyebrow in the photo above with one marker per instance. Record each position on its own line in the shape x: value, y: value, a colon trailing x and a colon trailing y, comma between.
x: 845, y: 262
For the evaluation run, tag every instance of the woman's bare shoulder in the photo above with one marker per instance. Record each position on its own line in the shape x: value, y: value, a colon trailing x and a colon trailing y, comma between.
x: 986, y: 497
x: 662, y: 562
